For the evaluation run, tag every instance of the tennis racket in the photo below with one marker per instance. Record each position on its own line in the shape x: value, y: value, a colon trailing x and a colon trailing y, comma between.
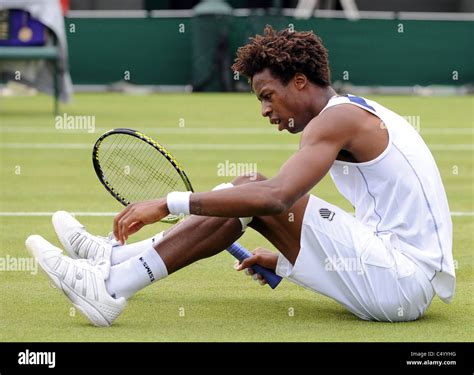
x: 133, y: 167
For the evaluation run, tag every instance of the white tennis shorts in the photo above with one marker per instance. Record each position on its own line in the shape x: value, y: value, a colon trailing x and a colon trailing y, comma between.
x: 343, y: 259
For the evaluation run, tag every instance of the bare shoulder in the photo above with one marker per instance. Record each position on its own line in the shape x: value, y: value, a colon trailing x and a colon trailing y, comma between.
x: 336, y: 124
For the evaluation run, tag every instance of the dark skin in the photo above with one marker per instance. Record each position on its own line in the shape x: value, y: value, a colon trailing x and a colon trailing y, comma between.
x: 343, y: 132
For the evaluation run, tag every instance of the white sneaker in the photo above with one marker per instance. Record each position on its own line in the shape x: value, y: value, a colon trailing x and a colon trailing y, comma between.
x: 82, y: 281
x: 78, y: 242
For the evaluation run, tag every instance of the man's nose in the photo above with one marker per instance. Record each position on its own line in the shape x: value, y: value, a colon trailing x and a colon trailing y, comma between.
x: 266, y: 110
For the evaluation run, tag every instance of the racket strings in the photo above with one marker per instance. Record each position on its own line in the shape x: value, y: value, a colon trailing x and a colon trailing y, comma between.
x: 137, y: 178
x: 136, y: 170
x: 121, y: 161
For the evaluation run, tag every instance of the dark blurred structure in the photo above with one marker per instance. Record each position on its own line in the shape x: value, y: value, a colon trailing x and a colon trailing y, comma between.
x: 417, y: 6
x: 211, y: 46
x: 169, y: 4
x: 34, y: 48
x: 392, y: 46
x: 374, y: 5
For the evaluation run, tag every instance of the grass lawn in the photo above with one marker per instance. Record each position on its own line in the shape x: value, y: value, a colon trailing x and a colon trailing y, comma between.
x: 44, y: 169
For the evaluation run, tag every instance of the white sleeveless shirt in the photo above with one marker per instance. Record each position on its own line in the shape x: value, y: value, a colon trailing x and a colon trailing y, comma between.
x: 401, y: 196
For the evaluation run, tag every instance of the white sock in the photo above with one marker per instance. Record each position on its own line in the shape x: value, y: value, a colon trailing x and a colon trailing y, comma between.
x: 122, y: 253
x: 130, y: 276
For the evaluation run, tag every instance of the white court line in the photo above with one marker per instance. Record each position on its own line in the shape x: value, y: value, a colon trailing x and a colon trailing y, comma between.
x: 462, y: 213
x: 148, y: 130
x: 31, y: 214
x: 108, y: 214
x: 182, y: 146
x: 208, y: 146
x: 196, y: 129
x: 448, y: 131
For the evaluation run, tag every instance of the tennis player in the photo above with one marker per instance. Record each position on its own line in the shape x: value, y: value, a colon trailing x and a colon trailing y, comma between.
x: 385, y: 264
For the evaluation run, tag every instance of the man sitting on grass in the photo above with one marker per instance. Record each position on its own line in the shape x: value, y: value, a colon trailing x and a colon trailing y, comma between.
x: 396, y: 252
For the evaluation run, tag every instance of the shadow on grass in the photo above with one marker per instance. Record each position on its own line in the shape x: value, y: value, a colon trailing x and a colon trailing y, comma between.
x: 224, y: 308
x: 157, y: 308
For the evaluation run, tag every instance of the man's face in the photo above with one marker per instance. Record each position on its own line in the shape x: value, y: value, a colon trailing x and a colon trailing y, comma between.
x: 282, y: 104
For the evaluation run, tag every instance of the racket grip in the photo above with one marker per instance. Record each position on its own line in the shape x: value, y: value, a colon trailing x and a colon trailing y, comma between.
x: 241, y: 253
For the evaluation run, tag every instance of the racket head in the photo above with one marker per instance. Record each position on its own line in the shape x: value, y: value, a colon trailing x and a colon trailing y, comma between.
x: 133, y: 167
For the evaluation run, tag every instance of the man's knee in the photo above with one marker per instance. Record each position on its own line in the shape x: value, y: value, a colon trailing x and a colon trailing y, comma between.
x: 241, y: 180
x: 245, y: 179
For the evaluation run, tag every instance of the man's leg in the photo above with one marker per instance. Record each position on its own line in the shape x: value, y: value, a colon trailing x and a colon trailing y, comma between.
x: 196, y: 238
x: 91, y: 286
x: 205, y: 236
x: 200, y: 237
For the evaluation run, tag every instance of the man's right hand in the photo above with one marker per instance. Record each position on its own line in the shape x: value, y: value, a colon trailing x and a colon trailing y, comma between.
x: 262, y: 257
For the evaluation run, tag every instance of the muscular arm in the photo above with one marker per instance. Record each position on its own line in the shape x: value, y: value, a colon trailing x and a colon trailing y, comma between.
x: 321, y: 142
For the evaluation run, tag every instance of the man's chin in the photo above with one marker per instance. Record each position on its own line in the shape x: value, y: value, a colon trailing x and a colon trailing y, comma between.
x: 293, y: 130
x: 282, y: 126
x: 290, y: 129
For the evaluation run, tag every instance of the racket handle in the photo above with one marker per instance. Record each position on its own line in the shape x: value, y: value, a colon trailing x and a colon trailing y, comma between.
x: 241, y: 253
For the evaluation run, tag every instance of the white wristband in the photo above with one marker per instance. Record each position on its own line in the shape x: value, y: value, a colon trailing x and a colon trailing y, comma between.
x: 178, y: 202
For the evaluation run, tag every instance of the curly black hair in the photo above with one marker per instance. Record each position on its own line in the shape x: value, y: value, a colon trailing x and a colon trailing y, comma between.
x: 285, y: 53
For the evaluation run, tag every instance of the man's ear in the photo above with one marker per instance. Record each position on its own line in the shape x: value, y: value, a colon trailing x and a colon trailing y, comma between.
x: 300, y: 81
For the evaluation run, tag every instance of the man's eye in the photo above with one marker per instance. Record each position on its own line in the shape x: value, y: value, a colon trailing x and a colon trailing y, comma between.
x: 265, y: 97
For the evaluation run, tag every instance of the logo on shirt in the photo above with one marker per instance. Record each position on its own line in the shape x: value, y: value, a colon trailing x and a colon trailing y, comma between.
x: 326, y: 214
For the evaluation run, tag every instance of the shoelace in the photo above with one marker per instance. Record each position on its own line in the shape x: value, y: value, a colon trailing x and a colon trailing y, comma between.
x: 110, y: 239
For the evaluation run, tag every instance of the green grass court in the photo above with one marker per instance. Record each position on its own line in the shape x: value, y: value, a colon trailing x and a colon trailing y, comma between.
x: 44, y: 169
